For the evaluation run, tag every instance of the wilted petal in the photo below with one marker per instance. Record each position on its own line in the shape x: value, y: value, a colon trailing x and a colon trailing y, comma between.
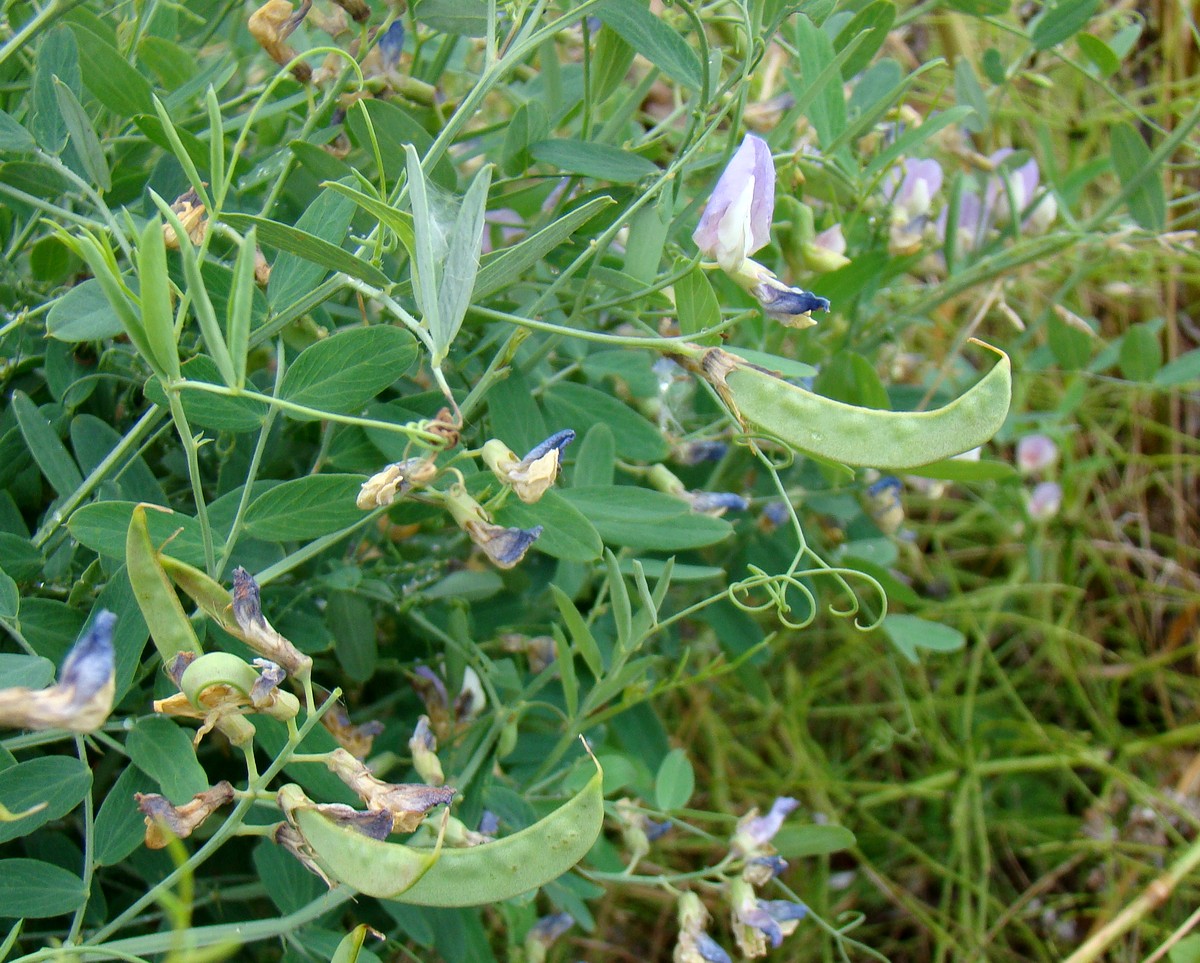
x: 710, y: 950
x: 406, y: 802
x: 391, y: 44
x: 355, y: 739
x: 271, y: 25
x: 763, y: 869
x: 377, y: 824
x: 791, y: 306
x: 504, y: 546
x: 165, y: 822
x: 423, y: 746
x: 81, y: 700
x: 885, y: 505
x: 737, y: 218
x: 191, y: 214
x: 549, y: 928
x: 258, y: 633
x: 470, y: 702
x: 287, y: 836
x: 716, y: 503
x: 532, y: 475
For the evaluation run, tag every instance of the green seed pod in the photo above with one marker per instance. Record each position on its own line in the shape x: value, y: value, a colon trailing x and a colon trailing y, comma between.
x: 371, y: 866
x: 474, y: 876
x: 863, y: 437
x: 168, y: 623
x: 224, y: 668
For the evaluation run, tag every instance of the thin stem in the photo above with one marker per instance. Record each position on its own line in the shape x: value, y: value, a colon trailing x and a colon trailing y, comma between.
x: 192, y: 451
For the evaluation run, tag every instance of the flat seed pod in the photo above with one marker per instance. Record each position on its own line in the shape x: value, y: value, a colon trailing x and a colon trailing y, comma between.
x: 861, y: 437
x: 471, y: 876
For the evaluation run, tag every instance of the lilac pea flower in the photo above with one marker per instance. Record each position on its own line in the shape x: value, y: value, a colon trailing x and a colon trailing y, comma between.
x: 1021, y: 184
x: 489, y: 823
x: 784, y: 910
x: 912, y: 198
x: 912, y: 194
x: 826, y: 251
x: 737, y: 219
x: 755, y: 916
x: 81, y: 699
x: 1036, y: 453
x: 695, y: 945
x: 1044, y: 501
x: 754, y: 831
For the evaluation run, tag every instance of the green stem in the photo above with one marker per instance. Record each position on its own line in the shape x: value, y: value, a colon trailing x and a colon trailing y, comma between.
x: 316, y: 414
x: 89, y: 838
x: 145, y: 425
x: 226, y: 830
x: 192, y: 450
x: 42, y: 19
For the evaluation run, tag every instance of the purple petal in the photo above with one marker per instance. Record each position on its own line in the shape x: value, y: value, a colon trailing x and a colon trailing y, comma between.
x: 763, y: 828
x: 760, y: 919
x: 717, y: 501
x: 549, y: 928
x: 391, y: 43
x: 752, y: 159
x: 783, y: 910
x: 710, y: 950
x: 89, y: 664
x: 556, y: 442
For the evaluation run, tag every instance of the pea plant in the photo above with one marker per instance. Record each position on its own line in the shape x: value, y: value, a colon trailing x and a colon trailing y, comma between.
x: 393, y: 393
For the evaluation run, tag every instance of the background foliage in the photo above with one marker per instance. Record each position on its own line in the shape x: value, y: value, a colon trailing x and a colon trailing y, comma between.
x: 998, y: 769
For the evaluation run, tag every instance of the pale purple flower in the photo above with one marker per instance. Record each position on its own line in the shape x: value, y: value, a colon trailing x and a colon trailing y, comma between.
x: 489, y: 823
x: 912, y: 196
x: 737, y: 219
x: 1036, y: 453
x: 912, y: 193
x: 755, y: 831
x: 1044, y: 501
x: 391, y: 43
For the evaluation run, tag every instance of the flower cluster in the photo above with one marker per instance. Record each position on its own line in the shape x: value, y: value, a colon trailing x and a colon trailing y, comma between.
x: 1037, y: 455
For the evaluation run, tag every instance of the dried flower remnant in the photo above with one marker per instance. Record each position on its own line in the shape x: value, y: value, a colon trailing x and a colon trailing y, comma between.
x: 706, y: 503
x: 165, y: 822
x: 355, y: 739
x: 288, y: 836
x: 192, y: 216
x: 538, y: 649
x: 258, y: 633
x: 504, y: 546
x: 885, y: 505
x: 81, y: 700
x: 423, y: 746
x: 757, y: 922
x: 694, y: 944
x: 357, y: 9
x: 394, y: 481
x: 532, y: 476
x: 271, y: 25
x: 406, y: 802
x: 698, y: 452
x: 543, y: 933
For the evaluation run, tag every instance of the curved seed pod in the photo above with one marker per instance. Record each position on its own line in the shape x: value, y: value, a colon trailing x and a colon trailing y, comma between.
x: 369, y: 865
x: 226, y: 669
x: 168, y: 623
x: 474, y: 876
x: 515, y: 864
x: 863, y: 437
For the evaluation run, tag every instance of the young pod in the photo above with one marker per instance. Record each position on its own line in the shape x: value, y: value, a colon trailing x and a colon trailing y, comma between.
x: 862, y: 437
